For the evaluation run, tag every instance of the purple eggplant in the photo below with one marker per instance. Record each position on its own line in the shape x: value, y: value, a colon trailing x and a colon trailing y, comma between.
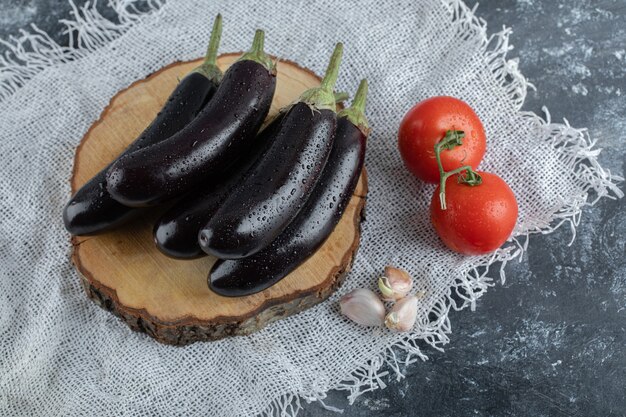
x: 176, y: 232
x: 91, y: 209
x: 208, y: 145
x: 314, y: 223
x: 280, y: 182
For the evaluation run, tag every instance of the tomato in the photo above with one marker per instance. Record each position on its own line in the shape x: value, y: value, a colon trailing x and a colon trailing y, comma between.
x: 426, y: 124
x: 478, y: 219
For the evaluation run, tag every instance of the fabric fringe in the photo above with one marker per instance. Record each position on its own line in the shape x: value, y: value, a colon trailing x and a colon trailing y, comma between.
x: 31, y: 52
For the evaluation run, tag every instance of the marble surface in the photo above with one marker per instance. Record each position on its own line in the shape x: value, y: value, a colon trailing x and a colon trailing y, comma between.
x: 551, y: 341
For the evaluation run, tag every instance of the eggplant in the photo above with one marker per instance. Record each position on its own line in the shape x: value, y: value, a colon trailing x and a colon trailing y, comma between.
x: 316, y: 220
x: 208, y: 145
x: 280, y: 182
x: 176, y: 232
x: 92, y: 210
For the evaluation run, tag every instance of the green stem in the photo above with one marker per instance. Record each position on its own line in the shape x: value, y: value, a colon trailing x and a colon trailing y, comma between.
x: 322, y: 97
x: 444, y: 178
x: 332, y: 71
x: 257, y: 54
x: 341, y: 96
x: 451, y: 140
x: 214, y: 42
x: 356, y: 112
x: 258, y: 42
x: 209, y: 67
x: 361, y: 96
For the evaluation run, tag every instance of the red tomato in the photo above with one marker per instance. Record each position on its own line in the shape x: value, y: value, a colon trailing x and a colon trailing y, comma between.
x: 478, y: 219
x: 426, y: 124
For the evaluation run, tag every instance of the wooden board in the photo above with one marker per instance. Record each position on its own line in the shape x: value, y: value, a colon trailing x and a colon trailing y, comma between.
x: 169, y: 299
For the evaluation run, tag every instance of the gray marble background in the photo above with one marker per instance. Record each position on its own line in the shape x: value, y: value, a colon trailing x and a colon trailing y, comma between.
x: 551, y: 341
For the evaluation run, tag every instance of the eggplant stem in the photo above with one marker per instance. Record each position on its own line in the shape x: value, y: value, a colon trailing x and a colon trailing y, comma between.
x: 360, y: 97
x: 323, y: 97
x: 356, y: 112
x: 258, y: 42
x: 257, y: 54
x: 332, y: 71
x: 341, y: 96
x: 214, y: 42
x: 209, y: 67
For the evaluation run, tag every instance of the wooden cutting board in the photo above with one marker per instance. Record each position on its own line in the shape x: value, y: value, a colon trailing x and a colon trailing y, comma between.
x: 123, y: 272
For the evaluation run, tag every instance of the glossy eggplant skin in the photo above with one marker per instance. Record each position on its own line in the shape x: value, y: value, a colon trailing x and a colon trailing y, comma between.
x: 276, y: 187
x: 176, y: 232
x: 204, y: 148
x: 92, y: 210
x: 308, y: 231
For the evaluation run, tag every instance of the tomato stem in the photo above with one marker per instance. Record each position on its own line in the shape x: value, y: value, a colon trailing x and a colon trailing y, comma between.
x: 451, y: 140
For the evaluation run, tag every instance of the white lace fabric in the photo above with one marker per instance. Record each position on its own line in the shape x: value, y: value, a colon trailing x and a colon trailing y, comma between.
x: 60, y: 354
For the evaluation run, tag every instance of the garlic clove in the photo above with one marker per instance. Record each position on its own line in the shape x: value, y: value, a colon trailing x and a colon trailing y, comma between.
x: 402, y: 315
x: 394, y: 284
x: 364, y: 307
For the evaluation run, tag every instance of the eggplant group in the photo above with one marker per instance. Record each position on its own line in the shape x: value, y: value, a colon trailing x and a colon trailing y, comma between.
x: 176, y: 232
x: 262, y: 200
x: 279, y: 183
x: 92, y: 209
x: 314, y: 223
x: 207, y: 146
